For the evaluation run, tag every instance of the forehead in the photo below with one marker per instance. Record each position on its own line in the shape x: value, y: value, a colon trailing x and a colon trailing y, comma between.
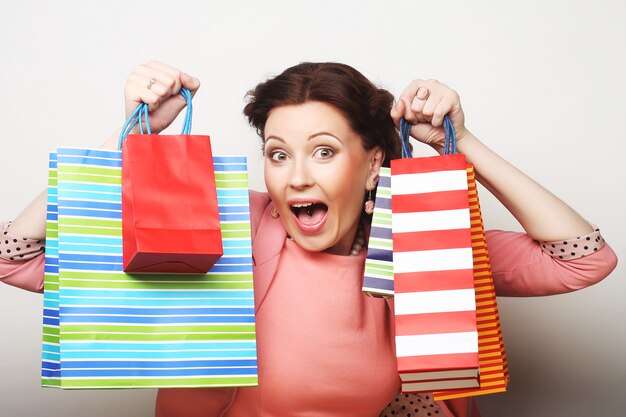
x: 306, y: 119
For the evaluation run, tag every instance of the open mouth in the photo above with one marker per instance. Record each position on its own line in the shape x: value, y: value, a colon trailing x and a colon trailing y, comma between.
x: 309, y: 215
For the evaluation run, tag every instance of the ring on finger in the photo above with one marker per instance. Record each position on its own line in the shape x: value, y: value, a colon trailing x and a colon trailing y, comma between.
x: 150, y: 83
x: 425, y: 95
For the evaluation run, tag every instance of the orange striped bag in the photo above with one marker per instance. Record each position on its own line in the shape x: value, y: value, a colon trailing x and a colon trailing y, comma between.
x: 493, y: 370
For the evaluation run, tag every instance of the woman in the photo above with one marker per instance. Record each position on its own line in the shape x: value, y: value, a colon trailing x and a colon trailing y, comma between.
x: 324, y: 348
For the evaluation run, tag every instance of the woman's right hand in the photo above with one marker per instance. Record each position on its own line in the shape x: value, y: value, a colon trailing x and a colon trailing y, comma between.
x: 161, y: 95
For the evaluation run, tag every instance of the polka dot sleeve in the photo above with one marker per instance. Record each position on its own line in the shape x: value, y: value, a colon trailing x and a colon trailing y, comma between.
x: 16, y: 248
x: 574, y: 248
x: 413, y: 405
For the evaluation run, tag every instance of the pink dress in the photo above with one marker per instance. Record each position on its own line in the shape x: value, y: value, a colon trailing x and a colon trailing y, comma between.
x: 324, y: 348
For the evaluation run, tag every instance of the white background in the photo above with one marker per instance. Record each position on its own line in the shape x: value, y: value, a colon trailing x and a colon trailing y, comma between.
x: 542, y: 83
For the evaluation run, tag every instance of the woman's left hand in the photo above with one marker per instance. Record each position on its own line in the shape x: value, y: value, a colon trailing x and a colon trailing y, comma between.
x: 424, y: 103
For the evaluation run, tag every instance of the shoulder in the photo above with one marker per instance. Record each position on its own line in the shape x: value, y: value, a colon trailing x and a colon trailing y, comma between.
x: 259, y: 201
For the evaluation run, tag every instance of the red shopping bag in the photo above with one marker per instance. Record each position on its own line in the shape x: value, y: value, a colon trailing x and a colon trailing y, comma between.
x: 435, y: 305
x: 170, y: 220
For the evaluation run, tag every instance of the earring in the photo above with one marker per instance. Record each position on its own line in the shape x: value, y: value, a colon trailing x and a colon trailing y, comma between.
x: 369, y: 204
x: 274, y: 213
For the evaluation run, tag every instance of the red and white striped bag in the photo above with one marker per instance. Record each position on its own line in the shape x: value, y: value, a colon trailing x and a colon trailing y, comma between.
x: 435, y: 307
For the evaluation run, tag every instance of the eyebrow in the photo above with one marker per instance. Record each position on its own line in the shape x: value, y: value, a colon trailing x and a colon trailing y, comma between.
x: 313, y: 136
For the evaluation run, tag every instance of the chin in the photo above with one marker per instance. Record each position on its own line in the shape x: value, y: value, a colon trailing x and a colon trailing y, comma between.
x: 310, y: 243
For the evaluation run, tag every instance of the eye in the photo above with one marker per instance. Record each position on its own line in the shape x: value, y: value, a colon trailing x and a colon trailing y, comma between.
x: 278, y: 156
x: 323, y: 153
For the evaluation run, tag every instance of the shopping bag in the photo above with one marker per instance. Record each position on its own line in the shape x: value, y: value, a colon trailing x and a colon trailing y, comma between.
x: 119, y: 330
x: 494, y: 374
x: 378, y: 277
x: 170, y: 216
x: 435, y: 309
x: 50, y: 354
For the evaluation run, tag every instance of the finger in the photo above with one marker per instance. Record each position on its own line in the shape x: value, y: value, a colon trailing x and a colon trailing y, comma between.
x: 419, y: 101
x: 174, y: 73
x: 397, y: 111
x: 409, y: 92
x: 449, y: 102
x: 406, y: 112
x: 429, y: 107
x: 406, y: 98
x: 139, y: 90
x: 146, y: 74
x: 443, y: 107
x: 151, y: 99
x: 157, y: 88
x: 401, y: 112
x: 190, y: 83
x: 422, y: 93
x: 136, y: 94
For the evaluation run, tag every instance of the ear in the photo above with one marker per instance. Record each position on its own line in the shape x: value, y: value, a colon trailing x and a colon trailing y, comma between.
x: 376, y: 158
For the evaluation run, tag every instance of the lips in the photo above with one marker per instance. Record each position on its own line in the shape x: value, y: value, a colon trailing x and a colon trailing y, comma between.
x: 310, y: 216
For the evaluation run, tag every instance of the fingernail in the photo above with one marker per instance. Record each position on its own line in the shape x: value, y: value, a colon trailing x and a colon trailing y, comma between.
x: 422, y: 93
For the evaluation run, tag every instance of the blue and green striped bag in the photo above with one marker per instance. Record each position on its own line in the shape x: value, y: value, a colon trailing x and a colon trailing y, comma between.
x: 104, y: 328
x: 51, y: 357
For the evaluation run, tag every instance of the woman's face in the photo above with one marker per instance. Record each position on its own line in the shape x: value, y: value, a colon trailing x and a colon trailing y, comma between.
x: 317, y: 171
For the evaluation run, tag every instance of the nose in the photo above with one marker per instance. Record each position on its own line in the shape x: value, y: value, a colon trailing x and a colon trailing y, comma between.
x: 300, y: 174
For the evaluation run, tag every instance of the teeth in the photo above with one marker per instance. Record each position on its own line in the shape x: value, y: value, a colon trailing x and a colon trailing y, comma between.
x: 298, y: 205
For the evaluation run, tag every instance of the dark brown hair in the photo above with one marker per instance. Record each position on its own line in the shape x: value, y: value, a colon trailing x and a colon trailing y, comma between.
x: 365, y: 106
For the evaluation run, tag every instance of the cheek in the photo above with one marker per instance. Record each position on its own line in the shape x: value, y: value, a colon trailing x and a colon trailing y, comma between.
x: 276, y: 182
x: 351, y: 175
x: 271, y: 181
x: 347, y: 186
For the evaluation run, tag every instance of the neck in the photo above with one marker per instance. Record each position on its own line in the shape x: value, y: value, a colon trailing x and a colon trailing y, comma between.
x: 359, y: 241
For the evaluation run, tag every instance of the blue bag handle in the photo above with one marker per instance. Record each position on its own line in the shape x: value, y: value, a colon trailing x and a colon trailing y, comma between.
x: 449, y: 146
x: 141, y: 113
